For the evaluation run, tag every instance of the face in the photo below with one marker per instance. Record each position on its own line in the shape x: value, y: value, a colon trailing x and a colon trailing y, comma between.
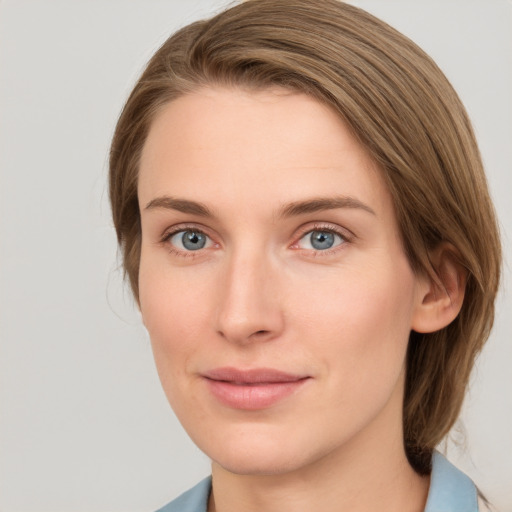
x: 273, y: 282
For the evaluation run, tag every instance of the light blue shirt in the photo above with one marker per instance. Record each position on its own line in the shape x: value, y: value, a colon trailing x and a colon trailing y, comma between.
x: 450, y: 491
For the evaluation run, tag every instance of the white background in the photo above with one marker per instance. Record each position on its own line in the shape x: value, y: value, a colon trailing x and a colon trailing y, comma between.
x: 84, y: 425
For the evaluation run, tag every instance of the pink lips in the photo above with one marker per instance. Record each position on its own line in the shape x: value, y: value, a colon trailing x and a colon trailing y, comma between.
x: 253, y: 389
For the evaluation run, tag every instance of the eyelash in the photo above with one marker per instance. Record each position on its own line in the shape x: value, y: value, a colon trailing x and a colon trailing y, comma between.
x: 345, y: 235
x: 167, y: 236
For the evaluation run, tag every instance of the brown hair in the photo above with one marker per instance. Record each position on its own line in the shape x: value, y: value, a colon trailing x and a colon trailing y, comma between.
x: 407, y: 115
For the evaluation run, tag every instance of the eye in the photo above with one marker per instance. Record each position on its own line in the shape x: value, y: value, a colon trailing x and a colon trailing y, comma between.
x: 190, y: 240
x: 320, y: 240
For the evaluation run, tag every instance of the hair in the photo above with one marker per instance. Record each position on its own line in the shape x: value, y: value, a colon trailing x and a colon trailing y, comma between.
x: 406, y: 114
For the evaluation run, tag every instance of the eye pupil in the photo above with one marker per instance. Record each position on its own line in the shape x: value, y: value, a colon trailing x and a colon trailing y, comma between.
x: 322, y: 240
x: 193, y: 241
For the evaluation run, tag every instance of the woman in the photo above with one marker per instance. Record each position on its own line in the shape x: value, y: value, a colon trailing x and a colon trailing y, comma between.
x: 306, y: 227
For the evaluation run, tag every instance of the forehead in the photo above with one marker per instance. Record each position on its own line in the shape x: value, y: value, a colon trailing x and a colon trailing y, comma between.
x: 231, y: 143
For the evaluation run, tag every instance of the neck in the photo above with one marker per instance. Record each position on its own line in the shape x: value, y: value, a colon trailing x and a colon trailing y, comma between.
x: 369, y: 473
x: 326, y: 486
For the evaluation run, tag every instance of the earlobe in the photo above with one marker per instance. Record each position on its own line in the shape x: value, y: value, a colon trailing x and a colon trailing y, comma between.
x: 441, y: 294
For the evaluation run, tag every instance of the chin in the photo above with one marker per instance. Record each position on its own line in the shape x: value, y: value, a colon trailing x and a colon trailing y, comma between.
x: 258, y: 465
x: 270, y: 456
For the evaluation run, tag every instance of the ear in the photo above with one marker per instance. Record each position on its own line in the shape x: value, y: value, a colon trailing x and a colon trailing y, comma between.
x: 442, y: 292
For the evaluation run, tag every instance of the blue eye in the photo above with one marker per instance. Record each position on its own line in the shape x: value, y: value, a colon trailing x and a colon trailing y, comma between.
x: 190, y: 240
x: 319, y: 240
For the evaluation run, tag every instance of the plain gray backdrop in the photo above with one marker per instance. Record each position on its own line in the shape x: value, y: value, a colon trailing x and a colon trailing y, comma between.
x: 84, y: 425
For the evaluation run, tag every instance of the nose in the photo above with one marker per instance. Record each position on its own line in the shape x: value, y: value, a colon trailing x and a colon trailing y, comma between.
x: 249, y: 306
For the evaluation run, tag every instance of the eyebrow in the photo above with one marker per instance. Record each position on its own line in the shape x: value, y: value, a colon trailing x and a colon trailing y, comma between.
x: 289, y: 210
x: 321, y: 204
x: 180, y: 205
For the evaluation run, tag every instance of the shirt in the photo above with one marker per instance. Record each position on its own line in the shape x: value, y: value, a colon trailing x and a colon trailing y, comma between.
x: 450, y: 491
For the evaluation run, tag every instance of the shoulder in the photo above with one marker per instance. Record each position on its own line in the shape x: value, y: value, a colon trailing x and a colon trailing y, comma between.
x: 450, y: 489
x: 194, y: 500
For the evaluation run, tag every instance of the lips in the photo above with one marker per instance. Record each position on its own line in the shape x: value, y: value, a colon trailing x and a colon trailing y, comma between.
x: 252, y: 389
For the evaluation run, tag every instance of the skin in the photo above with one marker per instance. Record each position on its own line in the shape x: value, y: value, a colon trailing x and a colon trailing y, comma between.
x: 260, y: 295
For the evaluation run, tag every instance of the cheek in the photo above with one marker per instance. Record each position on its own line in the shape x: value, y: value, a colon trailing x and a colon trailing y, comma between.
x: 173, y: 312
x: 169, y: 298
x: 364, y: 358
x: 361, y: 325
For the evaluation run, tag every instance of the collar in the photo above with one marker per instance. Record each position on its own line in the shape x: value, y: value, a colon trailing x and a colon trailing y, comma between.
x: 450, y: 489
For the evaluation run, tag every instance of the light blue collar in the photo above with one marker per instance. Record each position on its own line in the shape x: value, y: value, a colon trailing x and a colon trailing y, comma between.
x: 450, y: 491
x: 194, y: 500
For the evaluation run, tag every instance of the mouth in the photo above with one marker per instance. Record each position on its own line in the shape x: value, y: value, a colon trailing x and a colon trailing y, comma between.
x: 252, y: 389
